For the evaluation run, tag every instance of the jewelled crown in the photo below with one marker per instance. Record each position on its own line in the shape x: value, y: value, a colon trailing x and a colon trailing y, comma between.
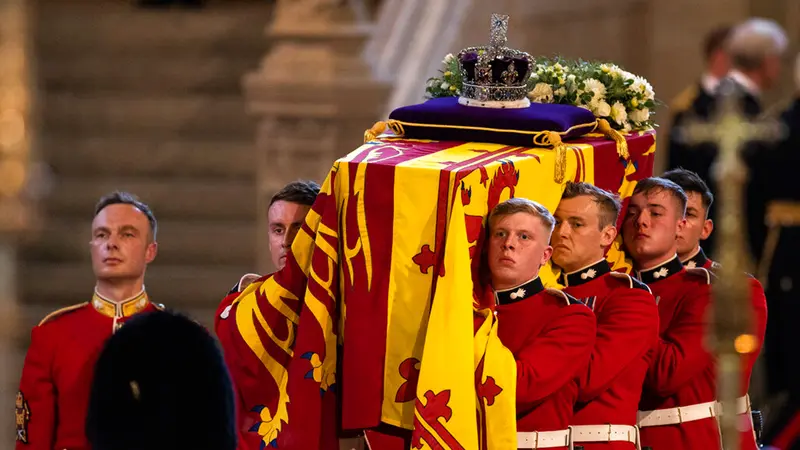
x: 495, y: 73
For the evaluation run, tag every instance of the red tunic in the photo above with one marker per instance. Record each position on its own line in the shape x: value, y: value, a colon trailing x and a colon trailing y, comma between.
x: 57, y: 376
x: 551, y: 336
x: 627, y: 330
x: 759, y: 305
x: 682, y: 371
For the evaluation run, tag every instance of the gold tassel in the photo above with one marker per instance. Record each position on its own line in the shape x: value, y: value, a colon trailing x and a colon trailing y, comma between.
x: 560, y: 170
x: 375, y: 131
x: 622, y: 145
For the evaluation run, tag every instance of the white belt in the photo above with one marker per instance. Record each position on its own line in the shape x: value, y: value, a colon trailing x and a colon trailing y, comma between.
x: 604, y: 433
x: 682, y: 414
x: 543, y: 439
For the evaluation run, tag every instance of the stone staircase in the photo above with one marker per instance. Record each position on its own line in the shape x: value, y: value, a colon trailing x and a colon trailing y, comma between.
x: 147, y: 101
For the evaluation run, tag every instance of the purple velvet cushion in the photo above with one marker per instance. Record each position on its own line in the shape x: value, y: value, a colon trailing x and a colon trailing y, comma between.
x: 443, y: 119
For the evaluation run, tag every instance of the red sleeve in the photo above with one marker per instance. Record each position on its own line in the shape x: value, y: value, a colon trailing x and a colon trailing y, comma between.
x: 759, y: 325
x: 556, y: 356
x: 627, y: 328
x: 36, y: 416
x: 221, y: 309
x: 681, y: 352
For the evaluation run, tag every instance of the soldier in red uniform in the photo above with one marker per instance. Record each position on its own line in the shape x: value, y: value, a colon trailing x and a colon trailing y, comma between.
x: 698, y: 227
x: 678, y: 405
x: 550, y: 333
x: 627, y: 319
x: 54, y: 391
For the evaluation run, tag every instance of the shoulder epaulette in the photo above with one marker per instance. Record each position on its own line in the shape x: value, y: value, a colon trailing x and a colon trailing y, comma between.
x: 633, y: 283
x: 683, y: 101
x: 61, y: 312
x: 570, y: 300
x: 701, y: 272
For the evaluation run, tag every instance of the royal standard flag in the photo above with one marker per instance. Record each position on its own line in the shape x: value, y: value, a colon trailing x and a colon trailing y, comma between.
x: 444, y: 413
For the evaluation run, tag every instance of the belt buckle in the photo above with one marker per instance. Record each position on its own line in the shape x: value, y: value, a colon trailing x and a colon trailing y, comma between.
x: 680, y: 417
x: 536, y: 440
x: 609, y: 432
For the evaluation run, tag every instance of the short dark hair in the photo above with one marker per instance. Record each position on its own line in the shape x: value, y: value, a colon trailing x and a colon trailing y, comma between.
x: 606, y: 202
x: 716, y: 40
x: 691, y: 182
x: 126, y: 198
x: 654, y: 185
x: 303, y: 192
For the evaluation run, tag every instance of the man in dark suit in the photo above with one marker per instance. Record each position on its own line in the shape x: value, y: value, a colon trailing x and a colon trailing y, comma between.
x: 755, y: 48
x: 782, y: 281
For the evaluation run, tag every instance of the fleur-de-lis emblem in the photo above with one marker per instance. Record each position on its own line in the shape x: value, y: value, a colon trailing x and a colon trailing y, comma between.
x: 226, y: 312
x: 509, y: 76
x: 661, y: 273
x: 519, y: 293
x: 589, y: 274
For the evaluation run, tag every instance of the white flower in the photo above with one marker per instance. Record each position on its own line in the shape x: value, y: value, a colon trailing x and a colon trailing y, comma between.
x: 626, y: 126
x: 541, y: 93
x: 571, y: 77
x: 601, y: 109
x: 627, y: 75
x: 448, y: 58
x: 641, y: 86
x: 445, y: 85
x: 560, y: 92
x: 596, y: 87
x: 639, y: 115
x: 618, y: 113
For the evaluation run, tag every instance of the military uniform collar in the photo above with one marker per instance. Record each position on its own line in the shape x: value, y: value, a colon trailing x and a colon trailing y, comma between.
x: 699, y: 259
x: 520, y: 292
x: 661, y: 271
x: 585, y: 274
x: 126, y: 308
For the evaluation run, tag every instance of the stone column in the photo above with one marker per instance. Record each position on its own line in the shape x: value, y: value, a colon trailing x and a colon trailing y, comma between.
x: 15, y: 212
x: 314, y: 96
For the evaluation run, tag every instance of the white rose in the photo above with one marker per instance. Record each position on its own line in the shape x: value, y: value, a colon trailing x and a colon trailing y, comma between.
x: 639, y: 115
x: 601, y: 109
x: 541, y: 93
x: 448, y: 59
x: 596, y: 87
x: 445, y: 85
x: 618, y: 113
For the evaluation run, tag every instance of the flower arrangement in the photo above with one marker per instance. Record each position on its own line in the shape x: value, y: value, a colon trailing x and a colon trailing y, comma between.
x: 625, y: 100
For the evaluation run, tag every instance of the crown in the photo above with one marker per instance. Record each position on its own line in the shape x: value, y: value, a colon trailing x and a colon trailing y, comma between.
x: 495, y: 76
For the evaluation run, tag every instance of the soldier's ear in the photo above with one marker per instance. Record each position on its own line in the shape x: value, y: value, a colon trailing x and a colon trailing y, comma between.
x: 708, y: 228
x: 607, y: 235
x: 151, y: 252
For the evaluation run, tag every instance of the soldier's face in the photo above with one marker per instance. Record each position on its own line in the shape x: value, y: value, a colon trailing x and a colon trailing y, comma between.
x: 578, y: 239
x: 121, y: 244
x: 697, y: 227
x: 518, y: 248
x: 285, y: 219
x: 652, y: 224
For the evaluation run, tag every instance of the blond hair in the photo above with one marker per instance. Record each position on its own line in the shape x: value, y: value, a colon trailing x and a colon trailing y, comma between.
x: 523, y: 205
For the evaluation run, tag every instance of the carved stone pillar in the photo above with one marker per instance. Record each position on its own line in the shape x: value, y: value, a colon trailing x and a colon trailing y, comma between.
x: 16, y: 213
x: 314, y: 96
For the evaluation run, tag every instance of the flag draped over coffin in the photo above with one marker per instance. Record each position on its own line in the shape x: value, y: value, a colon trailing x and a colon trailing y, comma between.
x: 349, y: 314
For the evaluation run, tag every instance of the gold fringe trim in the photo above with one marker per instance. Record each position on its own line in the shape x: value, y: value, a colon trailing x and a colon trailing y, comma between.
x: 622, y: 145
x: 380, y: 127
x: 375, y: 131
x: 553, y: 139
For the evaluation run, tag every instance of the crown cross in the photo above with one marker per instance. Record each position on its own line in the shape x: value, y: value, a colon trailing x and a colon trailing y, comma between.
x: 499, y: 31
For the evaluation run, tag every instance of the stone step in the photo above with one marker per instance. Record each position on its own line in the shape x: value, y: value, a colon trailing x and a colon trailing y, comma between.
x: 210, y: 73
x: 142, y: 156
x: 118, y: 28
x: 197, y: 116
x: 176, y: 286
x: 179, y: 242
x: 170, y: 198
